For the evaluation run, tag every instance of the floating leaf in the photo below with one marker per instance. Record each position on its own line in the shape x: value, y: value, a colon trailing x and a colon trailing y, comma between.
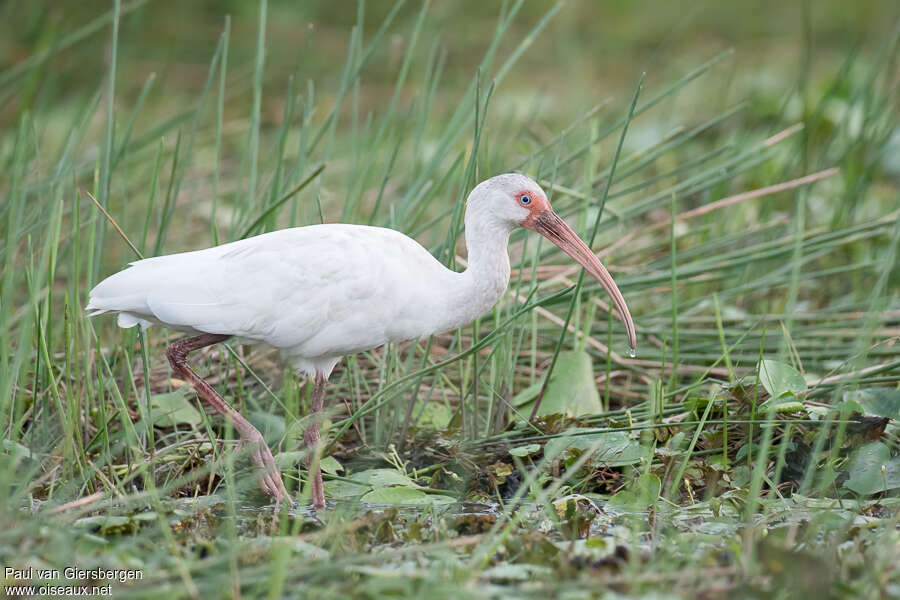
x: 571, y: 390
x: 612, y: 448
x: 404, y: 496
x: 866, y: 474
x: 173, y: 408
x: 337, y: 488
x: 363, y: 482
x: 195, y: 503
x: 378, y: 478
x: 526, y: 450
x: 880, y: 402
x: 780, y: 379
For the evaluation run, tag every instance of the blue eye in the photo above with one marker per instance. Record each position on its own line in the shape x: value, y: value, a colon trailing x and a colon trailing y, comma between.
x: 525, y: 199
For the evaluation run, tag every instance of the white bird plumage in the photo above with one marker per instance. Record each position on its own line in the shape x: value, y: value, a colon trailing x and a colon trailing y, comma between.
x: 320, y: 292
x: 316, y: 293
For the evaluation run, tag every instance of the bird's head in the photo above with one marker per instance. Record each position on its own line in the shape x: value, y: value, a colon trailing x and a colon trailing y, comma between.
x: 514, y: 200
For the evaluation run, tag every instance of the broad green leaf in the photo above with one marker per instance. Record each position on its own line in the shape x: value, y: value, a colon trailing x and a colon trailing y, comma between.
x: 379, y: 478
x: 880, y: 402
x: 194, y: 503
x: 613, y: 448
x: 527, y: 395
x: 526, y: 450
x: 639, y: 496
x: 571, y: 391
x: 780, y: 379
x: 404, y: 496
x: 435, y: 415
x: 330, y: 465
x: 173, y: 408
x: 337, y: 488
x: 846, y: 407
x: 866, y: 475
x: 285, y: 460
x: 365, y: 481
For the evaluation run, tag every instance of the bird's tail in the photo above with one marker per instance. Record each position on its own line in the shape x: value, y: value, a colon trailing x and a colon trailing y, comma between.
x: 124, y: 293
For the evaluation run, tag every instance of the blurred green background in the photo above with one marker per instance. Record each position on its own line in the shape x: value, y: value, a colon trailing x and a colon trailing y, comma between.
x: 804, y: 273
x: 590, y: 50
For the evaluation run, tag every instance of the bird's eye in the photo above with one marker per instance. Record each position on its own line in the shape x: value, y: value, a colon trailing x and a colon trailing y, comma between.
x: 524, y: 199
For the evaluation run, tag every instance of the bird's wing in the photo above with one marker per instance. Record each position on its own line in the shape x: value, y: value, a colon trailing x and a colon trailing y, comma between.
x: 332, y: 286
x: 262, y: 288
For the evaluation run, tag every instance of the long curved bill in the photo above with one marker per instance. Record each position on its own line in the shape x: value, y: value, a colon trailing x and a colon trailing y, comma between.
x: 549, y: 225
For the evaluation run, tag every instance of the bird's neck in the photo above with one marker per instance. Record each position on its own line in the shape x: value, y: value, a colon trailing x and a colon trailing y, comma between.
x: 487, y: 275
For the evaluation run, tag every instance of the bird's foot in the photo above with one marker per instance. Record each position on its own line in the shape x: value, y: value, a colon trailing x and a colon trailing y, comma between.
x: 269, y: 476
x: 267, y: 472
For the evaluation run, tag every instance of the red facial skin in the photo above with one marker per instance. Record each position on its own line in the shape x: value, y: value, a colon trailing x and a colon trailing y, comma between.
x: 538, y: 206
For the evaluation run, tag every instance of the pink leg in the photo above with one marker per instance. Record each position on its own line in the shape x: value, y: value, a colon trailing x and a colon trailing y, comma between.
x: 311, y: 440
x: 269, y: 476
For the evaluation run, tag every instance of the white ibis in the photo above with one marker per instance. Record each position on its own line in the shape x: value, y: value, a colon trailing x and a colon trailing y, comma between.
x: 319, y: 292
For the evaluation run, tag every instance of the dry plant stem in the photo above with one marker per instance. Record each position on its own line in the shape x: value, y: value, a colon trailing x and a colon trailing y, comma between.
x: 750, y: 195
x: 311, y: 440
x: 76, y: 503
x: 269, y: 476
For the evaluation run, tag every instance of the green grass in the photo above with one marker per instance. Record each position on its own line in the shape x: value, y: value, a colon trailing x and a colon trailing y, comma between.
x: 747, y: 210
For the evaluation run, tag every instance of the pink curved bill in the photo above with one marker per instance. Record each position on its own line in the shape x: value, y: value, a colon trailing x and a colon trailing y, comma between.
x: 549, y: 225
